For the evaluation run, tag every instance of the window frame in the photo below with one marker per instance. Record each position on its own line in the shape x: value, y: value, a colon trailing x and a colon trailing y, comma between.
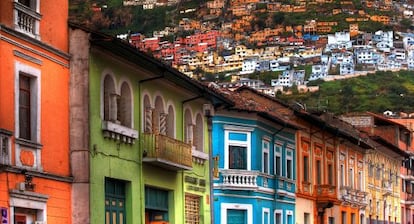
x: 228, y: 143
x: 278, y: 157
x: 35, y: 98
x: 289, y: 158
x: 236, y: 206
x: 265, y: 150
x: 278, y: 212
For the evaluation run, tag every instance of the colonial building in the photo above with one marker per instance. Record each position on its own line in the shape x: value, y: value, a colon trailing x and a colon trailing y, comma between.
x: 255, y: 150
x: 34, y: 121
x: 139, y: 136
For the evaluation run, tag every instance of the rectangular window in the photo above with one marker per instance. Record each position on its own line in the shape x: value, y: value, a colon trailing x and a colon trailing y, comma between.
x: 115, y: 211
x: 192, y: 209
x: 331, y: 220
x: 278, y: 218
x: 235, y: 216
x: 289, y: 165
x: 318, y: 172
x: 237, y: 157
x: 266, y: 217
x: 24, y: 107
x: 371, y: 170
x: 353, y: 218
x: 343, y: 217
x: 342, y: 176
x: 278, y: 162
x: 306, y: 218
x: 306, y: 168
x: 330, y: 175
x: 360, y: 184
x: 265, y: 159
x: 351, y: 178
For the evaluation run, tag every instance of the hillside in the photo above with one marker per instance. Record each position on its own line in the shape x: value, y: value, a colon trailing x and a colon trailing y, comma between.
x: 375, y: 92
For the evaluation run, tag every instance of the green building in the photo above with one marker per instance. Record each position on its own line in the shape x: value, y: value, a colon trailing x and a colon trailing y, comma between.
x: 140, y: 149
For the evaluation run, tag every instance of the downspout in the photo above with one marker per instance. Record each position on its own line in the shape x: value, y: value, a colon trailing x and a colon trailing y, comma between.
x: 141, y: 174
x: 211, y: 165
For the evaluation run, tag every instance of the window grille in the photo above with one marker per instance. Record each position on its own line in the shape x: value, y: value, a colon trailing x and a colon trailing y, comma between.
x: 192, y: 209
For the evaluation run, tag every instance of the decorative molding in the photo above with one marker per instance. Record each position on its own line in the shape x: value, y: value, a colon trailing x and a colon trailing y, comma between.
x: 36, y: 43
x: 27, y: 57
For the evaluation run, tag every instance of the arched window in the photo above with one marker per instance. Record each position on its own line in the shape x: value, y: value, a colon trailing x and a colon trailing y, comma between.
x: 109, y: 99
x: 125, y: 106
x: 188, y: 127
x: 170, y: 122
x: 198, y: 137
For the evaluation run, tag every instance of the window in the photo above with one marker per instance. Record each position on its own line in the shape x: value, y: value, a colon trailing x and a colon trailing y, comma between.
x: 237, y: 157
x: 110, y: 100
x: 360, y: 184
x: 235, y: 213
x: 306, y: 168
x: 27, y: 86
x: 124, y: 112
x: 192, y: 209
x: 266, y: 216
x: 278, y: 162
x: 306, y: 218
x: 331, y: 220
x: 278, y: 217
x: 353, y: 218
x: 371, y: 170
x: 265, y: 158
x: 318, y: 172
x: 343, y: 217
x: 351, y: 178
x: 237, y: 148
x: 330, y: 175
x: 289, y: 165
x: 342, y: 176
x: 115, y: 211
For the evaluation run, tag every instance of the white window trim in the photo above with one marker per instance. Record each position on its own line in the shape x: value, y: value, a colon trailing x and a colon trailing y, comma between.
x: 228, y: 142
x: 31, y: 201
x: 264, y: 211
x: 36, y: 90
x: 289, y: 213
x: 266, y: 150
x: 37, y: 20
x: 292, y: 165
x: 35, y: 115
x: 278, y: 154
x: 278, y: 211
x: 236, y: 206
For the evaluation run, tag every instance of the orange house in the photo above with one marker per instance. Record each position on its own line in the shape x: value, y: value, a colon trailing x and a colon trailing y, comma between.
x: 34, y: 114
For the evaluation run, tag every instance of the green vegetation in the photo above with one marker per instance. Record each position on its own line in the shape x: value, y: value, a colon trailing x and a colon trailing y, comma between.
x: 365, y: 93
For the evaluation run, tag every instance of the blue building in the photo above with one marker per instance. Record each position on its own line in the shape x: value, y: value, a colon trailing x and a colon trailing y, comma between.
x: 254, y: 151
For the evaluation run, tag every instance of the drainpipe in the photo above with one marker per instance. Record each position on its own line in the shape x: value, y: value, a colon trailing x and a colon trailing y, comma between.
x: 211, y: 164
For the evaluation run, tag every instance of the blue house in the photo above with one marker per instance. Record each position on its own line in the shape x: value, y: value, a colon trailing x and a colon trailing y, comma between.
x: 254, y: 152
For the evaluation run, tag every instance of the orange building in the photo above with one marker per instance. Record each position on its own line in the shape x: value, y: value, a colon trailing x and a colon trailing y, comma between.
x: 34, y: 114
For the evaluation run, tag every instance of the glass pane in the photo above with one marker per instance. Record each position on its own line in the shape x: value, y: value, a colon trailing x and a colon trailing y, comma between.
x: 114, y: 219
x: 238, y: 158
x: 278, y: 165
x: 107, y: 218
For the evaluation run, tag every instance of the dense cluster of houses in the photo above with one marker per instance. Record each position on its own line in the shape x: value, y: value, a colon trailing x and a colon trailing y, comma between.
x: 94, y: 131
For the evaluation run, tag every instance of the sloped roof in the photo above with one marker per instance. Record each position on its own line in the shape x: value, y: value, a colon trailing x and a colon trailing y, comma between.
x: 130, y: 53
x: 247, y: 104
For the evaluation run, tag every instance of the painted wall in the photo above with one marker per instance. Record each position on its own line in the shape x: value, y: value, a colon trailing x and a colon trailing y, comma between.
x: 262, y: 202
x: 111, y: 158
x: 49, y: 165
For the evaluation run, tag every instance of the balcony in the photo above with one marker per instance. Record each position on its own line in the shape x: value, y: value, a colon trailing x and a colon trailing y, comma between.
x: 166, y: 152
x: 239, y: 179
x: 285, y: 187
x: 26, y: 20
x: 353, y: 196
x: 325, y: 192
x: 386, y: 187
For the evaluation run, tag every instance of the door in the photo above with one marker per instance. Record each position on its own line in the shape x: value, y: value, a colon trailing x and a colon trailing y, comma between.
x: 235, y: 216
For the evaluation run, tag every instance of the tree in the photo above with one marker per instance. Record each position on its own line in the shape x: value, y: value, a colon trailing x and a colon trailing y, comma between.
x: 406, y: 23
